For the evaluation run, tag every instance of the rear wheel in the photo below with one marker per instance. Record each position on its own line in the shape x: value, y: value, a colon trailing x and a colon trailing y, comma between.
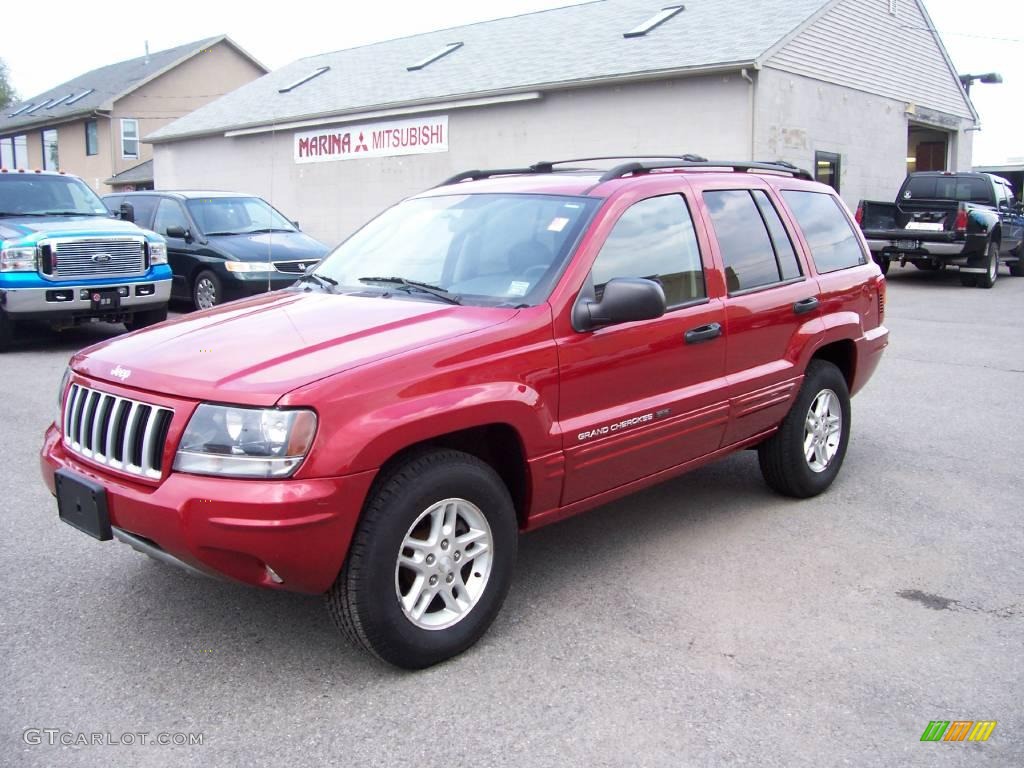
x: 805, y: 455
x: 882, y: 261
x: 431, y: 561
x: 6, y: 331
x: 207, y: 290
x: 1017, y: 267
x: 988, y: 279
x: 145, y: 319
x: 930, y: 266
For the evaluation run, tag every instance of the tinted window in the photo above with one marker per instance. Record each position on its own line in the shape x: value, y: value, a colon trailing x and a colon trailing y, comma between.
x: 654, y: 239
x: 169, y: 214
x: 144, y: 206
x: 743, y: 240
x: 789, y: 267
x: 947, y: 188
x: 828, y: 233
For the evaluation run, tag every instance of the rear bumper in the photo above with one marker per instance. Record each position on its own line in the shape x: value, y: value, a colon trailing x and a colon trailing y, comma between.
x: 869, y: 352
x: 949, y: 251
x: 232, y: 528
x: 65, y: 299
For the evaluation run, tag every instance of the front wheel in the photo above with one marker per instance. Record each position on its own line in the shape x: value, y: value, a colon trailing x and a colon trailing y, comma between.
x: 6, y: 331
x: 207, y: 290
x: 804, y: 456
x: 431, y: 561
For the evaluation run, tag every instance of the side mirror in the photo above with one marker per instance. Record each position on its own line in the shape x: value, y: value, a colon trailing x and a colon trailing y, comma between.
x: 127, y: 212
x: 296, y: 225
x: 625, y: 300
x: 179, y: 232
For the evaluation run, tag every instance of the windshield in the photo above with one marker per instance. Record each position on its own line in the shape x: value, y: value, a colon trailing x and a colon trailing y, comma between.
x: 236, y: 215
x: 494, y: 249
x: 43, y: 194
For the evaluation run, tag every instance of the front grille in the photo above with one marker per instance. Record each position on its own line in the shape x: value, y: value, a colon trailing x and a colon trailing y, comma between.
x: 295, y: 267
x: 107, y: 257
x: 120, y: 433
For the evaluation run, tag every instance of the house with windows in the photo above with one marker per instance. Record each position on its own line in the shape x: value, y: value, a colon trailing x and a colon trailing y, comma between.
x: 849, y: 89
x: 91, y: 126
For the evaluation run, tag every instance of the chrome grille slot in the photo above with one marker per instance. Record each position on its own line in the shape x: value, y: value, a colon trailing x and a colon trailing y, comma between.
x: 116, y: 431
x: 107, y: 257
x: 295, y: 267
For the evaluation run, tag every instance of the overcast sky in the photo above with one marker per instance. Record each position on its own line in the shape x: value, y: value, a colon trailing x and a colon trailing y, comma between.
x: 74, y: 37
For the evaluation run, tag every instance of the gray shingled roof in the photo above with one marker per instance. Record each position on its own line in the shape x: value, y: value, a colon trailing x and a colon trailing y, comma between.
x: 106, y: 83
x: 568, y: 45
x: 137, y: 173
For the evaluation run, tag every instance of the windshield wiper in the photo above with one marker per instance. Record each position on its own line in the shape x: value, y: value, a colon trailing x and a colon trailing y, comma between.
x: 21, y: 213
x: 323, y: 280
x: 263, y: 231
x: 413, y: 285
x: 72, y: 213
x: 225, y: 233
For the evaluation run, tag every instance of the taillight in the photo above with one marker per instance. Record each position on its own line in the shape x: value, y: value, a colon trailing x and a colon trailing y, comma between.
x: 961, y: 221
x: 859, y: 215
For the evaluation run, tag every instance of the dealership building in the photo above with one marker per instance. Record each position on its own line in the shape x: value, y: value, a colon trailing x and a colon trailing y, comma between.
x: 858, y: 91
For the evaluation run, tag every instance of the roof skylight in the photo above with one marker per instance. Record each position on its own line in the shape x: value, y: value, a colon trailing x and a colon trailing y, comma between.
x: 304, y: 79
x: 655, y: 21
x: 19, y: 111
x: 82, y: 95
x: 450, y: 48
x: 60, y: 100
x: 40, y: 105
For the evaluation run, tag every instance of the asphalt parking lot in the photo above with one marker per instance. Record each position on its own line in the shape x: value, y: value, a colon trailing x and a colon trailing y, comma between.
x: 705, y: 622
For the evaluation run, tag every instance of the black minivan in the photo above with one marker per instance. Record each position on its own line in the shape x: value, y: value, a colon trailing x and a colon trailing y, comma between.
x: 221, y: 245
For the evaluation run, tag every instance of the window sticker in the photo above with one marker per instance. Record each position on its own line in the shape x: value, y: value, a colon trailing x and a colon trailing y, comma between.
x: 557, y: 224
x: 518, y: 288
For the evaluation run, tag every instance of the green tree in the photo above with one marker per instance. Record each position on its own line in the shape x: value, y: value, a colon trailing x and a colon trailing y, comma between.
x: 7, y: 93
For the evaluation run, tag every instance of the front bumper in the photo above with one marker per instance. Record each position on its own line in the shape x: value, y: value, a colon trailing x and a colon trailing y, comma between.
x: 65, y: 299
x: 233, y: 528
x: 241, y: 285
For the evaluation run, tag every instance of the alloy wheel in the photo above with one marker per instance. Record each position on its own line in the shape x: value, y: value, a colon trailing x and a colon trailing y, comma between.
x: 823, y: 430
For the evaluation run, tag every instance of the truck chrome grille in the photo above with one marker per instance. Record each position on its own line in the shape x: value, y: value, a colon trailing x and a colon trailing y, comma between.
x: 107, y: 257
x: 120, y: 433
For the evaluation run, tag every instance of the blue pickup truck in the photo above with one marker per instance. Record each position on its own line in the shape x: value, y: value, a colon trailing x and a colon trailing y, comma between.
x: 65, y: 260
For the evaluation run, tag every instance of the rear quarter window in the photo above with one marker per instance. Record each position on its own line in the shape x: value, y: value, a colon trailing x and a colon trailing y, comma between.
x: 828, y: 233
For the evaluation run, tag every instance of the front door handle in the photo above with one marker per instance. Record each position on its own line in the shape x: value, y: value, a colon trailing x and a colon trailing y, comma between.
x: 703, y: 333
x: 805, y: 305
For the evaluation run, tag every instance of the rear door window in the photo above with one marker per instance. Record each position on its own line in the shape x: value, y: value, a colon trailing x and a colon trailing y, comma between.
x: 828, y: 233
x: 654, y: 239
x: 747, y: 250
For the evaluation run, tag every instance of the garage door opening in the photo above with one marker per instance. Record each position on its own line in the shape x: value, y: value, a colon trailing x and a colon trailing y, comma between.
x: 927, y: 149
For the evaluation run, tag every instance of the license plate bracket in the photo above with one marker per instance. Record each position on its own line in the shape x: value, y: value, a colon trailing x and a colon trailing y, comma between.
x: 105, y: 299
x: 82, y: 504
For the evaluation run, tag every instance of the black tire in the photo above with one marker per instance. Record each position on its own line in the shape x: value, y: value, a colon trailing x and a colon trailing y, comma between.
x: 6, y: 331
x: 988, y: 278
x: 364, y: 600
x: 883, y: 262
x: 930, y: 266
x: 207, y: 290
x: 147, y: 318
x: 1017, y: 267
x: 783, y: 461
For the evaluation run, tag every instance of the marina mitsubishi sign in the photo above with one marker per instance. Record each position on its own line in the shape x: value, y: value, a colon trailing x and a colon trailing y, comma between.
x: 384, y: 139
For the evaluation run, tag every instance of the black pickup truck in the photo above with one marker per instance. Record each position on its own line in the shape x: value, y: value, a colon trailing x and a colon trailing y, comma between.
x: 969, y: 220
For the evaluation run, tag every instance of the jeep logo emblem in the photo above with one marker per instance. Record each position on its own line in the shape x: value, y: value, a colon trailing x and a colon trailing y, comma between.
x: 120, y: 373
x: 101, y: 258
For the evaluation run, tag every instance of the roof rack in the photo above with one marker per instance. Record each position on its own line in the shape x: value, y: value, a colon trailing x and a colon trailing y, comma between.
x: 780, y: 166
x: 548, y: 166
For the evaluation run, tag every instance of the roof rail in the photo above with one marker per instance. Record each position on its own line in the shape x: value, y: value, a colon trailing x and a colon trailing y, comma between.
x: 738, y: 167
x: 548, y: 166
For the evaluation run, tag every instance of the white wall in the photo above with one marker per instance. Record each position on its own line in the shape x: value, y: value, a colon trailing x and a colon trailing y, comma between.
x: 706, y: 115
x: 797, y: 116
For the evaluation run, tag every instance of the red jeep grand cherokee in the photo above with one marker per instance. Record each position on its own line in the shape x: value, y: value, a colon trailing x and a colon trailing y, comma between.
x: 503, y: 351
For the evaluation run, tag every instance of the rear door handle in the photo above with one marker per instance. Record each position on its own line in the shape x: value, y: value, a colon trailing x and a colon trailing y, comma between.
x: 805, y: 305
x: 703, y: 333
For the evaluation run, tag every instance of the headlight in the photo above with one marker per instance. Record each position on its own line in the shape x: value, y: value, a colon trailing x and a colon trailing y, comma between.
x: 18, y: 260
x: 249, y: 266
x: 58, y: 418
x: 157, y: 253
x: 245, y: 442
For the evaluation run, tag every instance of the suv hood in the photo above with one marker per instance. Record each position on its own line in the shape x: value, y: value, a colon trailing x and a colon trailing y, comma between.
x: 282, y: 246
x: 17, y: 227
x: 252, y: 352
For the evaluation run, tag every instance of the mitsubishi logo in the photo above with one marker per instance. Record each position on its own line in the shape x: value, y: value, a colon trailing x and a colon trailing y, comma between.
x: 120, y: 373
x: 101, y: 258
